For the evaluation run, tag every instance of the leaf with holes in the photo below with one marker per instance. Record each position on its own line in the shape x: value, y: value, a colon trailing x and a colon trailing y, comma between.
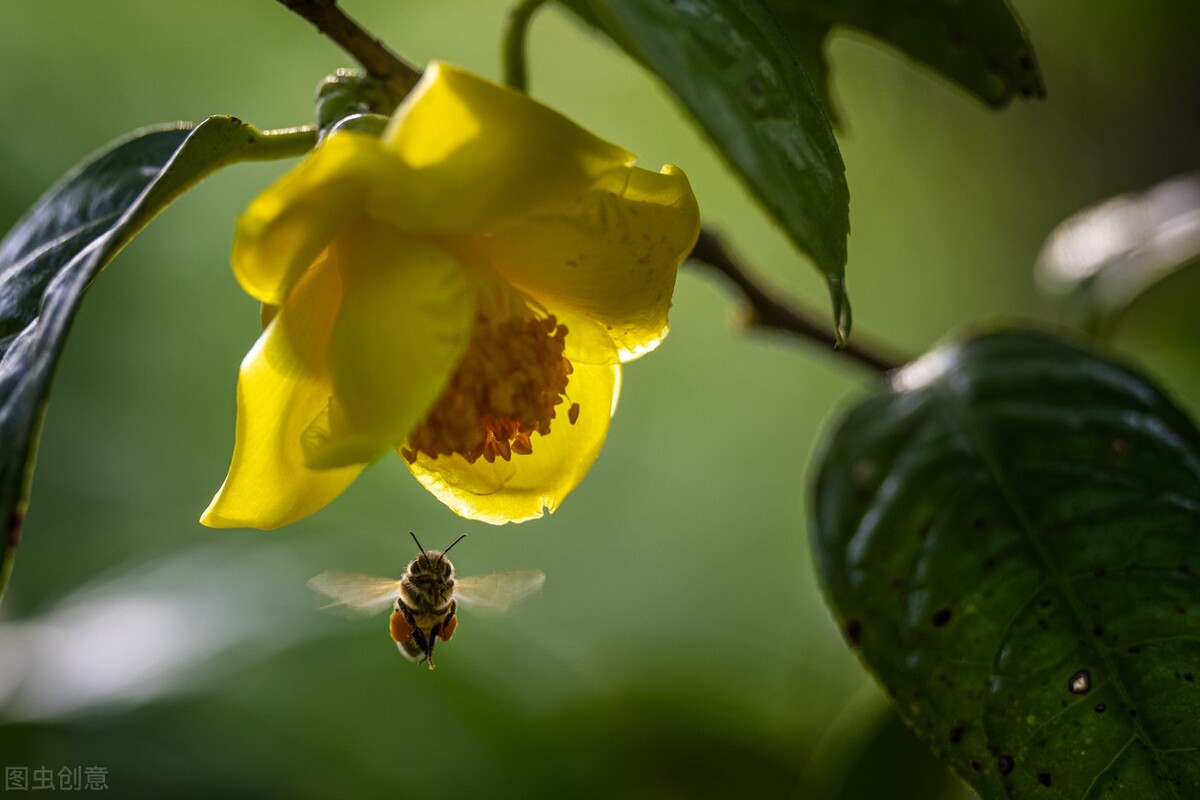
x: 979, y: 45
x: 1010, y: 533
x: 734, y: 72
x: 55, y: 251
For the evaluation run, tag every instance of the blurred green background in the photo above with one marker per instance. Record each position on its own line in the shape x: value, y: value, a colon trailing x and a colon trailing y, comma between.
x: 681, y: 647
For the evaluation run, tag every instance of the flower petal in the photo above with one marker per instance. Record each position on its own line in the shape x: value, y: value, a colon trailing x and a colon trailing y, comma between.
x: 405, y: 320
x: 482, y: 155
x: 283, y: 386
x: 609, y: 257
x: 529, y: 485
x: 287, y: 226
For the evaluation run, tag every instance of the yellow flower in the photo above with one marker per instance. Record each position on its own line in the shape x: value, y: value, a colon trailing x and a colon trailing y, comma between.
x: 462, y: 290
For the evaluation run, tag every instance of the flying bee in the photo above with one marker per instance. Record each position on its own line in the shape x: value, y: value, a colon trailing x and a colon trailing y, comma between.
x: 425, y: 601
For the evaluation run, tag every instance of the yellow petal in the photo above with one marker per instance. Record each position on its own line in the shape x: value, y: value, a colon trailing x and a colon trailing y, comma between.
x: 405, y: 321
x: 482, y: 155
x: 587, y: 342
x: 282, y: 387
x: 609, y: 257
x: 529, y: 485
x: 287, y: 226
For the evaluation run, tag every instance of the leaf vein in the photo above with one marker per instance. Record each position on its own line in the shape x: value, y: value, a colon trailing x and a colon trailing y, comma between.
x: 960, y: 413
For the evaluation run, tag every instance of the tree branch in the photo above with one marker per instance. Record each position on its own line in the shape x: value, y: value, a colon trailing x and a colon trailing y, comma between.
x: 398, y: 77
x: 765, y: 311
x: 396, y: 74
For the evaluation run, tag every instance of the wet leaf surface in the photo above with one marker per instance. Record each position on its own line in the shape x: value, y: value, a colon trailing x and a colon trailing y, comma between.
x: 1010, y: 533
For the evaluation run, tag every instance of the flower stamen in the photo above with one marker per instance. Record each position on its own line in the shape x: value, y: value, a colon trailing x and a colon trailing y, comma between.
x: 504, y: 390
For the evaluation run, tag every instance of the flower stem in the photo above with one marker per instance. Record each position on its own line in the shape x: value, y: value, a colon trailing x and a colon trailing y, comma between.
x: 396, y: 74
x: 766, y: 311
x: 284, y: 143
x: 515, y: 29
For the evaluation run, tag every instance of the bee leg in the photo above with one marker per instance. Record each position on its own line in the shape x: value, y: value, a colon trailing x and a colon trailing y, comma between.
x: 420, y: 648
x: 449, y: 626
x: 429, y: 652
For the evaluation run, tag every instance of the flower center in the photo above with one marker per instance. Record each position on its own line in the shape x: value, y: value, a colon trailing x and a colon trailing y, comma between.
x: 505, y: 390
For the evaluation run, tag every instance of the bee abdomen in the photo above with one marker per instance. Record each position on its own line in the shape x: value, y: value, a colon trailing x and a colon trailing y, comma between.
x: 411, y: 649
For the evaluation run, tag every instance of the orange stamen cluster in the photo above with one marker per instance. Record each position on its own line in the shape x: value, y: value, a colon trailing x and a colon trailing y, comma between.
x: 505, y: 390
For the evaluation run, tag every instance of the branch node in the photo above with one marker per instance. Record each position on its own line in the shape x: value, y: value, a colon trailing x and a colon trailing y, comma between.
x: 393, y: 72
x: 765, y: 312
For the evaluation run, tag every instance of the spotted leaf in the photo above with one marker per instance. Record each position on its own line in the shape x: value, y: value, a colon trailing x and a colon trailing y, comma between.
x: 1010, y: 533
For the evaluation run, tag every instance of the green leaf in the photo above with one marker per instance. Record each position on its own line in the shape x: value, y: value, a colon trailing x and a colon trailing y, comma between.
x: 55, y: 251
x: 980, y: 45
x: 1102, y: 259
x: 1010, y: 533
x: 735, y: 73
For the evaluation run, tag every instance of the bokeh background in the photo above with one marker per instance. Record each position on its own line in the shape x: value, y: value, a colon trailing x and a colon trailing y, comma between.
x: 681, y: 647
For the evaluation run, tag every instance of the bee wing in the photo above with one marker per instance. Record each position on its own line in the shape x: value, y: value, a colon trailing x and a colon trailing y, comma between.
x: 497, y: 591
x: 354, y: 592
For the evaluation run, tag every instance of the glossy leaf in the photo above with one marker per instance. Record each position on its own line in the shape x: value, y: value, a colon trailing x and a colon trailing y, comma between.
x: 1102, y: 259
x: 55, y: 251
x: 980, y: 45
x: 1010, y: 533
x: 737, y: 76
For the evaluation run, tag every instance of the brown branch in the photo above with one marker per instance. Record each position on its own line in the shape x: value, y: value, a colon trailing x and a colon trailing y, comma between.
x: 398, y: 77
x: 765, y: 311
x: 396, y: 74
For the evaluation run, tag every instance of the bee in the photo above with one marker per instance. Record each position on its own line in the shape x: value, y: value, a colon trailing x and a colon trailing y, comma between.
x: 425, y: 601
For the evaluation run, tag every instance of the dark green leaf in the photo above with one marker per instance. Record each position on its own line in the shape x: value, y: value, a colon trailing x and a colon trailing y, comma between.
x: 1011, y: 536
x: 735, y: 73
x: 52, y: 254
x: 980, y: 44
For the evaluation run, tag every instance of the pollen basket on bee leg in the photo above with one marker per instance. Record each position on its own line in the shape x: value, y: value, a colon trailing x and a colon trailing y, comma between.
x: 505, y: 390
x: 449, y: 627
x: 401, y: 629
